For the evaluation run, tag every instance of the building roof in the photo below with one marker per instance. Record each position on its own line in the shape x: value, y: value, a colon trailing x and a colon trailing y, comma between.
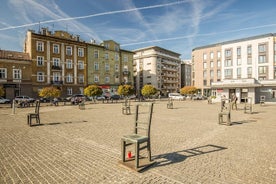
x: 235, y: 41
x: 156, y: 47
x: 7, y: 54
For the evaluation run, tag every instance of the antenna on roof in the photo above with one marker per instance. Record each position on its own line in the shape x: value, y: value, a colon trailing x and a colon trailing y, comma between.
x: 39, y: 26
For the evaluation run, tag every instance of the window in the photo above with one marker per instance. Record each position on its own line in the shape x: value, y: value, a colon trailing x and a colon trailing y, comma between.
x: 55, y: 48
x: 16, y: 74
x: 56, y: 61
x: 218, y: 64
x: 81, y: 78
x: 262, y: 59
x: 116, y: 68
x: 238, y: 51
x: 117, y: 48
x: 69, y: 91
x: 106, y: 55
x: 238, y: 72
x: 56, y: 76
x: 249, y: 49
x: 68, y: 50
x: 80, y: 65
x: 218, y: 54
x: 116, y: 57
x: 96, y: 66
x: 228, y: 73
x: 69, y: 78
x: 80, y: 52
x: 125, y: 58
x: 39, y: 46
x: 40, y: 77
x: 69, y: 64
x: 239, y: 62
x: 262, y: 70
x: 96, y: 54
x: 249, y: 72
x: 107, y: 67
x: 211, y: 74
x: 3, y: 73
x: 212, y: 55
x: 106, y: 45
x: 212, y: 64
x: 204, y: 74
x: 96, y: 78
x: 249, y: 61
x: 228, y: 62
x: 204, y: 65
x: 228, y: 53
x: 106, y: 79
x: 205, y: 82
x: 204, y: 57
x: 274, y: 46
x: 262, y: 48
x: 218, y: 74
x: 40, y: 60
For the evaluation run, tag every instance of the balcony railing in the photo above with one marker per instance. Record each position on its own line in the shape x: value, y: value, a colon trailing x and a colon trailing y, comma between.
x: 125, y: 72
x: 54, y: 67
x: 57, y: 82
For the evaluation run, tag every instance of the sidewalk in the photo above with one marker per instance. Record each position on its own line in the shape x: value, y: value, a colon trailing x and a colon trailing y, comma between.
x: 188, y: 145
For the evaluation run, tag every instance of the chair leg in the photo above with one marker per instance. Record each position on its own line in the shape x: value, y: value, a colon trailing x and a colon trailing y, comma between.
x: 149, y: 151
x: 123, y: 149
x: 137, y: 155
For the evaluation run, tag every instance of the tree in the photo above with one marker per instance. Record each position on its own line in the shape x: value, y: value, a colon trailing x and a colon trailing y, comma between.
x: 49, y: 92
x: 188, y: 90
x: 148, y: 90
x: 2, y: 91
x: 125, y: 90
x: 93, y: 90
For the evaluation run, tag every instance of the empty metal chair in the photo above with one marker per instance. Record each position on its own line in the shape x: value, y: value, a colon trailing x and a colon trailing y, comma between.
x: 34, y: 115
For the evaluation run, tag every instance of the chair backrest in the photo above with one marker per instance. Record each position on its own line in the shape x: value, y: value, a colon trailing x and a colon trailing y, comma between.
x: 248, y: 100
x: 37, y: 105
x: 143, y: 117
x: 126, y: 103
x: 225, y: 105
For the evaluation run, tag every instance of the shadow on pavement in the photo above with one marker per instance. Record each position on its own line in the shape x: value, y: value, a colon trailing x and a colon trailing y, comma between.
x: 59, y: 123
x: 179, y: 156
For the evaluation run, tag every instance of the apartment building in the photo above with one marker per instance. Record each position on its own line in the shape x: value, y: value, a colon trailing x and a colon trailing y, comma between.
x: 109, y: 66
x: 15, y: 69
x: 247, y: 68
x: 58, y: 59
x: 186, y: 73
x: 158, y: 67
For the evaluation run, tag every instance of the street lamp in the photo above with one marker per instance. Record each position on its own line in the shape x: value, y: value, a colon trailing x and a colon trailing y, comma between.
x: 19, y: 77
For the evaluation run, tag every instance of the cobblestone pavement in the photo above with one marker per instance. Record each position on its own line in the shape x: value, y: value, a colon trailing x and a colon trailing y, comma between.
x: 188, y: 145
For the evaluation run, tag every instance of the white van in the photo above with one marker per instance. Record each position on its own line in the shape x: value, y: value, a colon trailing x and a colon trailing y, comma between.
x: 176, y: 96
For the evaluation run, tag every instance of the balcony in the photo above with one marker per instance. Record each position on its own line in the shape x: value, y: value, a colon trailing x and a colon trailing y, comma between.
x: 54, y: 67
x: 126, y: 72
x: 57, y: 83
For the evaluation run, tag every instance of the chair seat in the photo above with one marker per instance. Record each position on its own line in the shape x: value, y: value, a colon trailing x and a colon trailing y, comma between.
x: 135, y: 138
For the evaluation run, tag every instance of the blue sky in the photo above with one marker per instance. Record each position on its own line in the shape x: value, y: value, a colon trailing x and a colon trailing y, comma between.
x: 177, y: 25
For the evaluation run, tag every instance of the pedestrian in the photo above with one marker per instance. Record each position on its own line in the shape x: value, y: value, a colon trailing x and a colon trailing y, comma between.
x: 234, y: 101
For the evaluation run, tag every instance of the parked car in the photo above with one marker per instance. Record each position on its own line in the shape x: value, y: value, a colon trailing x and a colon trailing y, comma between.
x: 176, y: 96
x: 77, y: 98
x: 100, y: 97
x: 24, y: 98
x: 44, y: 99
x: 113, y: 97
x: 4, y: 100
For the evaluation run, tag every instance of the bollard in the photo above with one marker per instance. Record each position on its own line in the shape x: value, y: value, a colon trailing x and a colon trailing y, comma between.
x: 13, y: 107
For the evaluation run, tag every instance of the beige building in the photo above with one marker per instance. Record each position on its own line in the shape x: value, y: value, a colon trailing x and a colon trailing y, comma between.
x: 158, y: 67
x: 206, y: 67
x: 245, y: 67
x: 109, y: 66
x: 58, y: 59
x: 15, y: 70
